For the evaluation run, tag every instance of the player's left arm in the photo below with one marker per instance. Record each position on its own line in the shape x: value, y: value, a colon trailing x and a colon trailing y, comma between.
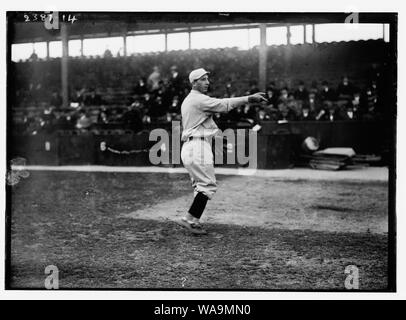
x: 213, y: 105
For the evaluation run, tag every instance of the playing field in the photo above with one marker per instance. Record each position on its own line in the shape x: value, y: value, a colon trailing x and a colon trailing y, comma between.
x: 117, y: 230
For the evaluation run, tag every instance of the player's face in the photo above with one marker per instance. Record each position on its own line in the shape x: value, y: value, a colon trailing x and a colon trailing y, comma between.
x: 202, y: 84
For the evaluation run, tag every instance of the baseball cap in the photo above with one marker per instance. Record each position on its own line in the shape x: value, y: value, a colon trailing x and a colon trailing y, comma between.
x: 197, y: 74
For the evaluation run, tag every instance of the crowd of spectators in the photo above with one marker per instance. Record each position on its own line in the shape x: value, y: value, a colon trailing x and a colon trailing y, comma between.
x: 134, y: 92
x: 157, y: 101
x: 324, y: 103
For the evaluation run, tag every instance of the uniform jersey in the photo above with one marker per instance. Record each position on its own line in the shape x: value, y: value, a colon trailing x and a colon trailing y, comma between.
x: 197, y: 113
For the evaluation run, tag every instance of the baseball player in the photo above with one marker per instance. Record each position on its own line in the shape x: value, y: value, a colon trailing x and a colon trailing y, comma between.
x: 198, y: 130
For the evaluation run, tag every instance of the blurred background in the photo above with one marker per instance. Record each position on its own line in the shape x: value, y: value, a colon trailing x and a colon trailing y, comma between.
x: 124, y: 74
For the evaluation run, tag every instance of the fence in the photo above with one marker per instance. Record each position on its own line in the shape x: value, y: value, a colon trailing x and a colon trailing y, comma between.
x: 278, y: 145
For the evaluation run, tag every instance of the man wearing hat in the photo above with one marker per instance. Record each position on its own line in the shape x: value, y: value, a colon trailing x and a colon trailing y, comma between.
x: 198, y: 129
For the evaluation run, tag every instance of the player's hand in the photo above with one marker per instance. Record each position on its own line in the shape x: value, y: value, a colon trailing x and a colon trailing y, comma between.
x: 257, y: 97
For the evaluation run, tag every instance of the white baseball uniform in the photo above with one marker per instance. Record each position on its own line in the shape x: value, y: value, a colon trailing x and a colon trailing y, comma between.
x: 198, y: 130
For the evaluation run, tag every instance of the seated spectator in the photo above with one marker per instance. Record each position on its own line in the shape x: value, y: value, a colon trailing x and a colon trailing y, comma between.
x: 326, y: 93
x: 146, y: 119
x: 350, y: 113
x: 35, y: 125
x: 271, y: 112
x: 372, y: 112
x: 357, y: 103
x: 48, y: 119
x: 141, y: 87
x: 371, y: 95
x: 93, y: 99
x: 296, y: 107
x: 132, y: 118
x: 56, y: 99
x: 272, y: 87
x: 331, y: 113
x: 153, y: 79
x: 33, y: 57
x: 306, y: 114
x: 314, y: 88
x: 26, y: 122
x: 284, y: 113
x: 301, y: 92
x: 107, y: 53
x: 313, y: 103
x: 175, y: 82
x: 284, y: 96
x: 64, y: 122
x: 21, y: 124
x: 103, y: 116
x: 230, y: 90
x: 345, y: 89
x: 175, y: 105
x: 83, y: 122
x: 147, y: 101
x: 165, y: 93
x: 373, y: 86
x: 272, y: 97
x: 248, y: 113
x: 265, y: 115
x: 78, y: 95
x: 158, y: 109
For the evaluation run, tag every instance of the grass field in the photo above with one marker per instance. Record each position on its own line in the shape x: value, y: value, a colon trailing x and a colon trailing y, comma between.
x: 117, y: 230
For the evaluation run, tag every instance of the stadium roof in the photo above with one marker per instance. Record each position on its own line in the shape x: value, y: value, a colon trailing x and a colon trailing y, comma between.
x: 111, y: 24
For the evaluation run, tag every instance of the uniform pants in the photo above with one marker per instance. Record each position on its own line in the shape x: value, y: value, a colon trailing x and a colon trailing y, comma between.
x: 197, y: 157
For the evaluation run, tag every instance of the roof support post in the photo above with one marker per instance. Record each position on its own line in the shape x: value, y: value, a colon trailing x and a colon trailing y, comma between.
x: 262, y: 57
x: 64, y: 65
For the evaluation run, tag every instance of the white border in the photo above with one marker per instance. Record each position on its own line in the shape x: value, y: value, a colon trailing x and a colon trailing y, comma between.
x: 215, y: 6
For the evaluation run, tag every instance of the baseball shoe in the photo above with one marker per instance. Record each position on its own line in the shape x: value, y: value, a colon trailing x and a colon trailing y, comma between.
x: 193, y: 227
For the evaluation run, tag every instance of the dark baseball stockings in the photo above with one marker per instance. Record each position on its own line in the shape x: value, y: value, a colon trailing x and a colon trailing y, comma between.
x: 198, y: 205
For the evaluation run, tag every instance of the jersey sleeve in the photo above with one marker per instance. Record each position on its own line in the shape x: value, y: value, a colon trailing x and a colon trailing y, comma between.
x: 213, y: 105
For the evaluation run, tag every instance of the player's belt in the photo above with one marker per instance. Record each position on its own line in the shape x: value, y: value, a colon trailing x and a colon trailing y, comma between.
x: 196, y: 138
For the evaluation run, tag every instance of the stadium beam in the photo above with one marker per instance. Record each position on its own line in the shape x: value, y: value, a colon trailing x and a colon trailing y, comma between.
x: 313, y: 33
x: 383, y: 31
x: 125, y: 44
x: 64, y: 64
x: 304, y: 34
x: 262, y: 57
x: 47, y: 50
x: 81, y: 47
x: 124, y: 35
x: 190, y: 38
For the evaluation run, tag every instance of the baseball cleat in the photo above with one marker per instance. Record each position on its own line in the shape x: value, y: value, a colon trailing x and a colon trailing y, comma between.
x: 195, y: 228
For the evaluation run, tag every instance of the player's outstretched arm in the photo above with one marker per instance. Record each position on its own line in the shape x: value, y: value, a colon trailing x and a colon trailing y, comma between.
x: 257, y: 97
x: 225, y: 105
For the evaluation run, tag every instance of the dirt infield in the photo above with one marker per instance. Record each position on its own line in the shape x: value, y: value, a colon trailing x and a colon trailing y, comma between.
x: 116, y: 230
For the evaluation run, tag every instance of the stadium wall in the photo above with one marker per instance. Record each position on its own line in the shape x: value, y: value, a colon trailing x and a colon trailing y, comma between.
x: 278, y: 145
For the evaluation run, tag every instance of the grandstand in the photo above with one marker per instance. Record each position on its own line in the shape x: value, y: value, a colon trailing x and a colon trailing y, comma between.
x: 112, y: 91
